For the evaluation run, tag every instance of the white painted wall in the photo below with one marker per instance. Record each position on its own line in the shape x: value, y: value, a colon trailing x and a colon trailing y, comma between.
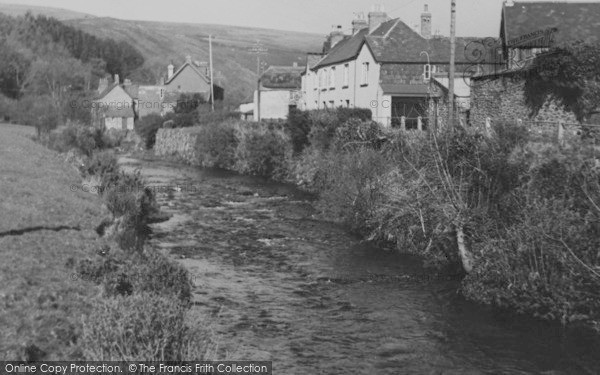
x: 355, y: 95
x: 117, y: 123
x: 274, y: 104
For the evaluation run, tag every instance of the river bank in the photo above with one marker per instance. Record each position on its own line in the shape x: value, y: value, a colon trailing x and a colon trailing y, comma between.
x: 46, y: 224
x: 279, y: 284
x: 515, y: 214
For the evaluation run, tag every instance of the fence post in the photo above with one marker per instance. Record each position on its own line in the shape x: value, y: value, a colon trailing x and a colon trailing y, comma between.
x: 419, y: 123
x: 561, y: 132
x: 403, y: 123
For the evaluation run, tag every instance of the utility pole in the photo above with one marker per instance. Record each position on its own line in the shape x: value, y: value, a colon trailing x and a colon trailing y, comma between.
x: 212, y: 85
x: 258, y: 50
x: 452, y: 65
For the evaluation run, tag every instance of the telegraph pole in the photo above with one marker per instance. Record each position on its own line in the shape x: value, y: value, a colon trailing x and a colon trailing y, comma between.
x: 258, y: 50
x: 212, y: 85
x: 452, y: 64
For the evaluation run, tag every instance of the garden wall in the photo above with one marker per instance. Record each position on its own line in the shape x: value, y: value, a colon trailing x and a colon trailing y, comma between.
x: 502, y: 97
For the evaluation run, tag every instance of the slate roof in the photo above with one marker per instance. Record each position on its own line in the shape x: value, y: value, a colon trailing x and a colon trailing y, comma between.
x: 132, y: 90
x: 105, y: 92
x: 345, y: 50
x: 395, y: 42
x: 282, y: 77
x: 524, y: 21
x: 194, y: 68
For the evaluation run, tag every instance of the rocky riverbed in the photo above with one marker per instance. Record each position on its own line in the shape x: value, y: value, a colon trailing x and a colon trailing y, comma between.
x: 278, y: 283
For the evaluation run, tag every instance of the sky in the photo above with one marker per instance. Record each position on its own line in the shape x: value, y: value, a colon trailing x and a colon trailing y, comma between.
x: 474, y: 17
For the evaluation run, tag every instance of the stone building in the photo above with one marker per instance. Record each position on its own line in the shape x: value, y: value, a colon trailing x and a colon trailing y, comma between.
x: 528, y: 29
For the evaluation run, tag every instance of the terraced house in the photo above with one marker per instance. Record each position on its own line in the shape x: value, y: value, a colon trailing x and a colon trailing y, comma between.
x: 386, y: 66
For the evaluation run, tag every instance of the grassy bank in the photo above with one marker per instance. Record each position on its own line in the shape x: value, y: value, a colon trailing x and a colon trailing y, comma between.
x: 79, y: 282
x: 518, y: 217
x: 41, y: 302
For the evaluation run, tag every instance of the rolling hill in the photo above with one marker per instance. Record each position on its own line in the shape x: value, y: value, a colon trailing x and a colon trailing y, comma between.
x: 235, y: 67
x: 163, y: 42
x: 58, y: 13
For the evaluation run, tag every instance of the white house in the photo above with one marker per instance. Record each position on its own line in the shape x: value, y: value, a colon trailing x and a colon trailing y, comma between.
x: 279, y: 90
x: 384, y: 65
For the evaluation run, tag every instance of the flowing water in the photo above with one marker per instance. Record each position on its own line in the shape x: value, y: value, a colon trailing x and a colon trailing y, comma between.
x: 279, y: 284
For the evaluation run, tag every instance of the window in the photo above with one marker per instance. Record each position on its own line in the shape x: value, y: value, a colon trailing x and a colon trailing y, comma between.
x: 332, y: 78
x: 346, y: 75
x: 331, y: 104
x: 427, y: 72
x: 364, y: 79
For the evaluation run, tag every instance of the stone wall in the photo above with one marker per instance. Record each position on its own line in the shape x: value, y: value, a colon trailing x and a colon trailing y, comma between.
x: 177, y: 143
x: 502, y: 98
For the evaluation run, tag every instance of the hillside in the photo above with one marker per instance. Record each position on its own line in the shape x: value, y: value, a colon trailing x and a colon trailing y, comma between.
x: 58, y: 13
x: 235, y: 67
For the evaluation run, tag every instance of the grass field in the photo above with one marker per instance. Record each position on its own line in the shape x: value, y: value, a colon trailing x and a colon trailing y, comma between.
x: 44, y: 228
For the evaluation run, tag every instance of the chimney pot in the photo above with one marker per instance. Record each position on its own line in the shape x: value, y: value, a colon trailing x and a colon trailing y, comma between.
x: 376, y: 17
x: 117, y: 79
x: 188, y: 59
x: 359, y: 23
x: 170, y: 69
x: 426, y: 23
x: 336, y: 36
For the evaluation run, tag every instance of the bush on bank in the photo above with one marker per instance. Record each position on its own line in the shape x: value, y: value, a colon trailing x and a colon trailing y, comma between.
x: 142, y: 310
x: 529, y: 212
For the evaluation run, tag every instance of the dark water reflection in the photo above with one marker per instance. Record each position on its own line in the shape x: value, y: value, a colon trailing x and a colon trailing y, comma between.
x: 306, y: 294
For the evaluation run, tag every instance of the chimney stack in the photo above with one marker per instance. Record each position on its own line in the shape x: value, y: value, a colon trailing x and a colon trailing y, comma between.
x: 170, y: 69
x: 102, y: 85
x: 117, y: 79
x: 188, y: 59
x: 377, y: 16
x: 336, y: 36
x: 426, y: 23
x: 359, y: 23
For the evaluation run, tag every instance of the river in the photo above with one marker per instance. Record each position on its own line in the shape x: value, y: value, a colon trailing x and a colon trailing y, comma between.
x: 277, y: 283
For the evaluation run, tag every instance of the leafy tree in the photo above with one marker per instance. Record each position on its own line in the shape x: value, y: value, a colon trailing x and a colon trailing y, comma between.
x: 57, y: 76
x: 188, y: 103
x: 570, y: 75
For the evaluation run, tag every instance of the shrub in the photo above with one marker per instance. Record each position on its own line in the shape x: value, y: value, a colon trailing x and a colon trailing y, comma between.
x: 298, y: 126
x: 131, y: 204
x: 216, y: 145
x: 102, y: 164
x: 356, y: 134
x: 207, y: 117
x: 262, y: 150
x: 147, y: 127
x: 113, y: 138
x: 84, y: 138
x: 142, y: 327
